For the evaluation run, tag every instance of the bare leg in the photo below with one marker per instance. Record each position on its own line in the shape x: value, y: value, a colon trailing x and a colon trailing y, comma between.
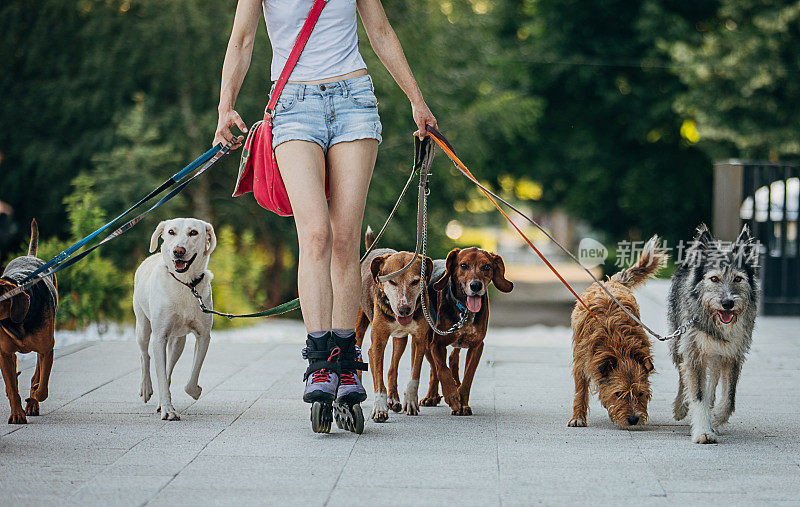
x: 350, y: 170
x: 302, y: 167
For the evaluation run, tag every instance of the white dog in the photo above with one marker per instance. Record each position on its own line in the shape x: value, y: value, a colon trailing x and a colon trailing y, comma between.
x: 165, y: 307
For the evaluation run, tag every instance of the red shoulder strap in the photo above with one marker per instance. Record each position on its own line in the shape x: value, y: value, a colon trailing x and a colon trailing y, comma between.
x: 294, y: 56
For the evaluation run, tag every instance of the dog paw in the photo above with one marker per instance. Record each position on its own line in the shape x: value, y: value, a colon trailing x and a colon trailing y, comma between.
x: 193, y: 390
x: 146, y: 389
x: 394, y: 404
x: 705, y: 438
x: 169, y: 413
x: 463, y: 410
x: 31, y: 407
x: 577, y: 422
x: 17, y: 417
x: 430, y: 401
x: 379, y: 415
x: 410, y: 405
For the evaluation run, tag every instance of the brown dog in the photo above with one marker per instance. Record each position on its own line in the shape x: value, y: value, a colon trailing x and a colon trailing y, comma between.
x: 393, y: 308
x: 460, y: 285
x: 613, y: 354
x: 27, y: 324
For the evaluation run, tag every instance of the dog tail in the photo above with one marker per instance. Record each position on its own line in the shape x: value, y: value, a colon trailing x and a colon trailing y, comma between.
x: 369, y: 237
x: 650, y: 261
x: 34, y: 245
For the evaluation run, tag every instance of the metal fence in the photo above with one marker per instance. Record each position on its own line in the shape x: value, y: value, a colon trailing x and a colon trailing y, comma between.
x: 769, y: 202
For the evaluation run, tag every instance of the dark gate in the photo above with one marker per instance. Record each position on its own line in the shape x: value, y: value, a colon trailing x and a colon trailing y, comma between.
x: 770, y: 203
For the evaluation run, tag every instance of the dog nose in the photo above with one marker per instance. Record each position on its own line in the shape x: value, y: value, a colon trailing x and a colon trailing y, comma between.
x: 179, y: 251
x: 632, y: 420
x: 475, y: 285
x: 404, y: 311
x: 727, y: 304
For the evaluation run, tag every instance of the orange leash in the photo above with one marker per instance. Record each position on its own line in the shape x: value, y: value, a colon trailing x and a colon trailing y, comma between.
x: 448, y: 149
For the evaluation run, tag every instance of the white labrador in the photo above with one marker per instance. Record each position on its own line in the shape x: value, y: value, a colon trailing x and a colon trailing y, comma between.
x: 165, y: 307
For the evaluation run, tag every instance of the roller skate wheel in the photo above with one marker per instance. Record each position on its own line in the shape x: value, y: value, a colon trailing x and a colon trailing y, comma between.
x: 321, y: 417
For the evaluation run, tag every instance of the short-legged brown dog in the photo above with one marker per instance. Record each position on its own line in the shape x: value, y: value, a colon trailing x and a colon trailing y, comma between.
x: 27, y: 324
x: 393, y: 308
x: 612, y: 354
x: 459, y: 285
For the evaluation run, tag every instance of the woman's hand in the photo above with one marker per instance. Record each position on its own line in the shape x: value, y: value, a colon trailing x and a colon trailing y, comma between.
x: 228, y: 119
x: 423, y: 117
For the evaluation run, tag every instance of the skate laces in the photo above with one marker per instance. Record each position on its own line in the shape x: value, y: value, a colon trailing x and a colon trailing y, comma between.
x: 348, y: 379
x: 324, y: 374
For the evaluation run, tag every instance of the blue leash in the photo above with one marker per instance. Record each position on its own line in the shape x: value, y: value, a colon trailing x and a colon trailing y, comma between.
x: 60, y: 261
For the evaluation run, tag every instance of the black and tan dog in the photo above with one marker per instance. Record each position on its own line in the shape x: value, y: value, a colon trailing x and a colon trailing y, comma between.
x: 27, y: 324
x: 460, y: 284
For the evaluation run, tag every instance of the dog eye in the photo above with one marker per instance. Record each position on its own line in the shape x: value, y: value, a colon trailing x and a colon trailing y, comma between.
x: 193, y: 233
x: 464, y: 266
x: 486, y: 267
x: 392, y: 282
x: 714, y: 279
x: 414, y: 282
x: 737, y: 279
x: 171, y: 232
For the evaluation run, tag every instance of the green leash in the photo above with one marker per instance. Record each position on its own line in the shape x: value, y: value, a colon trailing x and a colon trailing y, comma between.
x: 295, y: 303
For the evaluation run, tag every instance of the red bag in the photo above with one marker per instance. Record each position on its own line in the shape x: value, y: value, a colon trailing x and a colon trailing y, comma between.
x: 258, y: 169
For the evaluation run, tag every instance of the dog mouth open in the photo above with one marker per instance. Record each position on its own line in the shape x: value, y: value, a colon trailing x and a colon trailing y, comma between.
x: 181, y: 266
x: 405, y: 319
x: 725, y: 316
x: 474, y: 303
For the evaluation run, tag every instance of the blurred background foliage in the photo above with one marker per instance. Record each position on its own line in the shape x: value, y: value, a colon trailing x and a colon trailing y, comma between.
x: 610, y: 111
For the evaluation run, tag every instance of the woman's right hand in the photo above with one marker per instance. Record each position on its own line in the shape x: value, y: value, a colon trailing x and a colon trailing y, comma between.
x: 227, y: 120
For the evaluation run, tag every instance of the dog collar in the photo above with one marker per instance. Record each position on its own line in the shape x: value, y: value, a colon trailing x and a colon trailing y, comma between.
x: 461, y: 307
x: 193, y: 284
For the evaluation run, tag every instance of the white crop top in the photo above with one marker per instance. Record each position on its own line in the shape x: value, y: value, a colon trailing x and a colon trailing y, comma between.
x: 332, y: 49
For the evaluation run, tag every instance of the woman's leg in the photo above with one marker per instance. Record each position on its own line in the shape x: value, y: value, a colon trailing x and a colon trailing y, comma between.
x: 302, y: 166
x: 350, y: 166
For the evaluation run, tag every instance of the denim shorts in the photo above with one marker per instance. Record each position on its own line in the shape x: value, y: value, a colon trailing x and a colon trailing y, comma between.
x: 328, y: 113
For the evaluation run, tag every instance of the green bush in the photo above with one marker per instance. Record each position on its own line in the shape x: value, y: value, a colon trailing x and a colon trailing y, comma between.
x: 93, y: 289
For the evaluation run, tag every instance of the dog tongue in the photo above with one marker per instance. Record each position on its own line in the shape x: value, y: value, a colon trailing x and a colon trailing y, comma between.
x: 405, y: 320
x: 474, y: 303
x: 725, y: 316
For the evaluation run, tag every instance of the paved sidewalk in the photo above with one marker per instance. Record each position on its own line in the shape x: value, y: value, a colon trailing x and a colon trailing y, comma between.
x: 247, y: 440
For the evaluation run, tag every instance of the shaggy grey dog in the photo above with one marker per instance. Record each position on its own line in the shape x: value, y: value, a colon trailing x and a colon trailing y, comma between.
x: 714, y: 295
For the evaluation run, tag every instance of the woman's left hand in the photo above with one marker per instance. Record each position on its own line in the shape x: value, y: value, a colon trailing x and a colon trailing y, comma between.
x: 423, y: 117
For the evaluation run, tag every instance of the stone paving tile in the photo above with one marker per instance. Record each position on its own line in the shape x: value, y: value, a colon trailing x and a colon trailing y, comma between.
x: 247, y: 440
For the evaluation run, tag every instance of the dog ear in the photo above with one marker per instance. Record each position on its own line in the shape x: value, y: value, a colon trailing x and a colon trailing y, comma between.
x: 450, y: 267
x: 20, y: 304
x: 648, y: 364
x: 157, y: 234
x: 499, y: 272
x: 428, y: 269
x: 211, y: 239
x: 702, y: 237
x: 376, y: 265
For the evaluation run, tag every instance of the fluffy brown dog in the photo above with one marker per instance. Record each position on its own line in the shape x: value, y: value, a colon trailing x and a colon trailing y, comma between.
x: 460, y: 284
x: 613, y: 354
x: 27, y: 325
